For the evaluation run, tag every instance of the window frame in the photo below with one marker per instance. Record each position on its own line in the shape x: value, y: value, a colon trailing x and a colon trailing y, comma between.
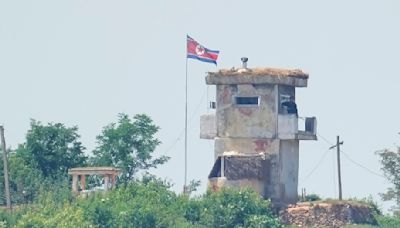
x: 236, y: 99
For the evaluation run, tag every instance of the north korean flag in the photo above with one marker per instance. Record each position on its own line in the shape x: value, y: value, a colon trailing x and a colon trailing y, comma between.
x: 198, y: 51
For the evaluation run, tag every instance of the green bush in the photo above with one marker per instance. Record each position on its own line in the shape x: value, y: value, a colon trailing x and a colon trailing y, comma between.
x: 386, y: 221
x: 146, y: 203
x: 310, y: 198
x: 11, y: 218
x: 237, y: 208
x: 137, y: 204
x: 52, y: 215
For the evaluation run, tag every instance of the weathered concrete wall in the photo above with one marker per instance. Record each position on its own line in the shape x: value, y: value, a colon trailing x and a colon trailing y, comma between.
x: 258, y: 129
x: 250, y: 129
x: 219, y: 182
x: 287, y: 126
x: 238, y: 121
x: 289, y: 170
x: 246, y: 146
x: 272, y: 188
x: 208, y: 128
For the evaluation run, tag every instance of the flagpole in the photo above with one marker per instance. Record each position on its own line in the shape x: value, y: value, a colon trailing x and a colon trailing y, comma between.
x: 186, y: 107
x: 196, y: 51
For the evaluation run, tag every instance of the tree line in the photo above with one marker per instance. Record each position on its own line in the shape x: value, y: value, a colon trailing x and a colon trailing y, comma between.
x: 41, y: 194
x: 51, y: 149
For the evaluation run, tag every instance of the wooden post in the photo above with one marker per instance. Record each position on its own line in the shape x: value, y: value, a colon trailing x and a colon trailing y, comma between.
x: 75, y: 183
x: 113, y: 180
x: 338, y: 163
x: 83, y: 182
x: 338, y: 143
x: 222, y: 166
x: 5, y: 161
x: 106, y: 181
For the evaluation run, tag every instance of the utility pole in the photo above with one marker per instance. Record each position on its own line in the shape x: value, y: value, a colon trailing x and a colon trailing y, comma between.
x: 5, y: 161
x: 338, y: 143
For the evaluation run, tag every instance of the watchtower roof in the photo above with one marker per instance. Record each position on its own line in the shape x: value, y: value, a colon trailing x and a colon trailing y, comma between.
x: 266, y: 75
x: 93, y: 170
x: 262, y: 71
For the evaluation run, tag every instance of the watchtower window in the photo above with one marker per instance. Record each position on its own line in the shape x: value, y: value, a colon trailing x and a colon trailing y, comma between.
x: 247, y: 101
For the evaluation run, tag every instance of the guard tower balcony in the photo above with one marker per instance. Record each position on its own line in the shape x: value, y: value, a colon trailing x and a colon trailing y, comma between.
x: 287, y: 127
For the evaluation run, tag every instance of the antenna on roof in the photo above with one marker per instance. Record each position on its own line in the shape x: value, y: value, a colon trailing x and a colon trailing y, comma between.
x: 244, y: 62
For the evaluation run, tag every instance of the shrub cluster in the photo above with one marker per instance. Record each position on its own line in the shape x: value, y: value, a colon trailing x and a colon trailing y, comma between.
x: 144, y: 204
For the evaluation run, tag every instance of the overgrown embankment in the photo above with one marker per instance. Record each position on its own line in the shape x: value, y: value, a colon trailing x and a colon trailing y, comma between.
x: 145, y: 203
x: 328, y: 214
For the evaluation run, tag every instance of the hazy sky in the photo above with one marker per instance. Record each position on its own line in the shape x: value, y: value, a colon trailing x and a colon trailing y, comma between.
x: 83, y: 62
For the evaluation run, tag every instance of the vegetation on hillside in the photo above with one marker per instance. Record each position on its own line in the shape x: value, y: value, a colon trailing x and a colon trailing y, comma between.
x: 144, y: 203
x: 41, y: 195
x: 390, y: 160
x: 51, y: 149
x: 128, y: 144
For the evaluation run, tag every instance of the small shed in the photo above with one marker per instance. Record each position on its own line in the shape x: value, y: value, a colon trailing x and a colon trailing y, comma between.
x: 109, y: 174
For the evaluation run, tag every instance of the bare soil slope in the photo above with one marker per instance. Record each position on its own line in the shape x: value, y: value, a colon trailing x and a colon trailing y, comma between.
x: 327, y: 214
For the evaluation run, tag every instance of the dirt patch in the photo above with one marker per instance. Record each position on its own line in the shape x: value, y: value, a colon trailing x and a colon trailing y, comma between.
x: 327, y: 214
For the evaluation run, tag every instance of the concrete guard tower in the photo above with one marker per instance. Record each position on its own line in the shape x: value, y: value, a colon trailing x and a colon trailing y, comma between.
x: 256, y: 141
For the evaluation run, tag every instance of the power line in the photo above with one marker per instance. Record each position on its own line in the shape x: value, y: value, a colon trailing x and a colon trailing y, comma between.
x: 319, y: 135
x: 351, y: 160
x: 315, y: 167
x: 320, y: 160
x: 360, y: 165
x: 347, y: 157
x: 190, y: 121
x: 327, y: 141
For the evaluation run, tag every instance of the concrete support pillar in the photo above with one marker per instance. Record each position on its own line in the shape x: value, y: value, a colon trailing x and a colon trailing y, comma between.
x: 83, y: 182
x: 75, y: 183
x: 222, y: 166
x: 106, y: 181
x: 113, y: 181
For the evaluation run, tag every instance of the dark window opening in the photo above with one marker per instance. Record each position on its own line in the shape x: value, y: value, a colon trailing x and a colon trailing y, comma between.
x: 241, y: 167
x: 216, y: 170
x: 247, y: 101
